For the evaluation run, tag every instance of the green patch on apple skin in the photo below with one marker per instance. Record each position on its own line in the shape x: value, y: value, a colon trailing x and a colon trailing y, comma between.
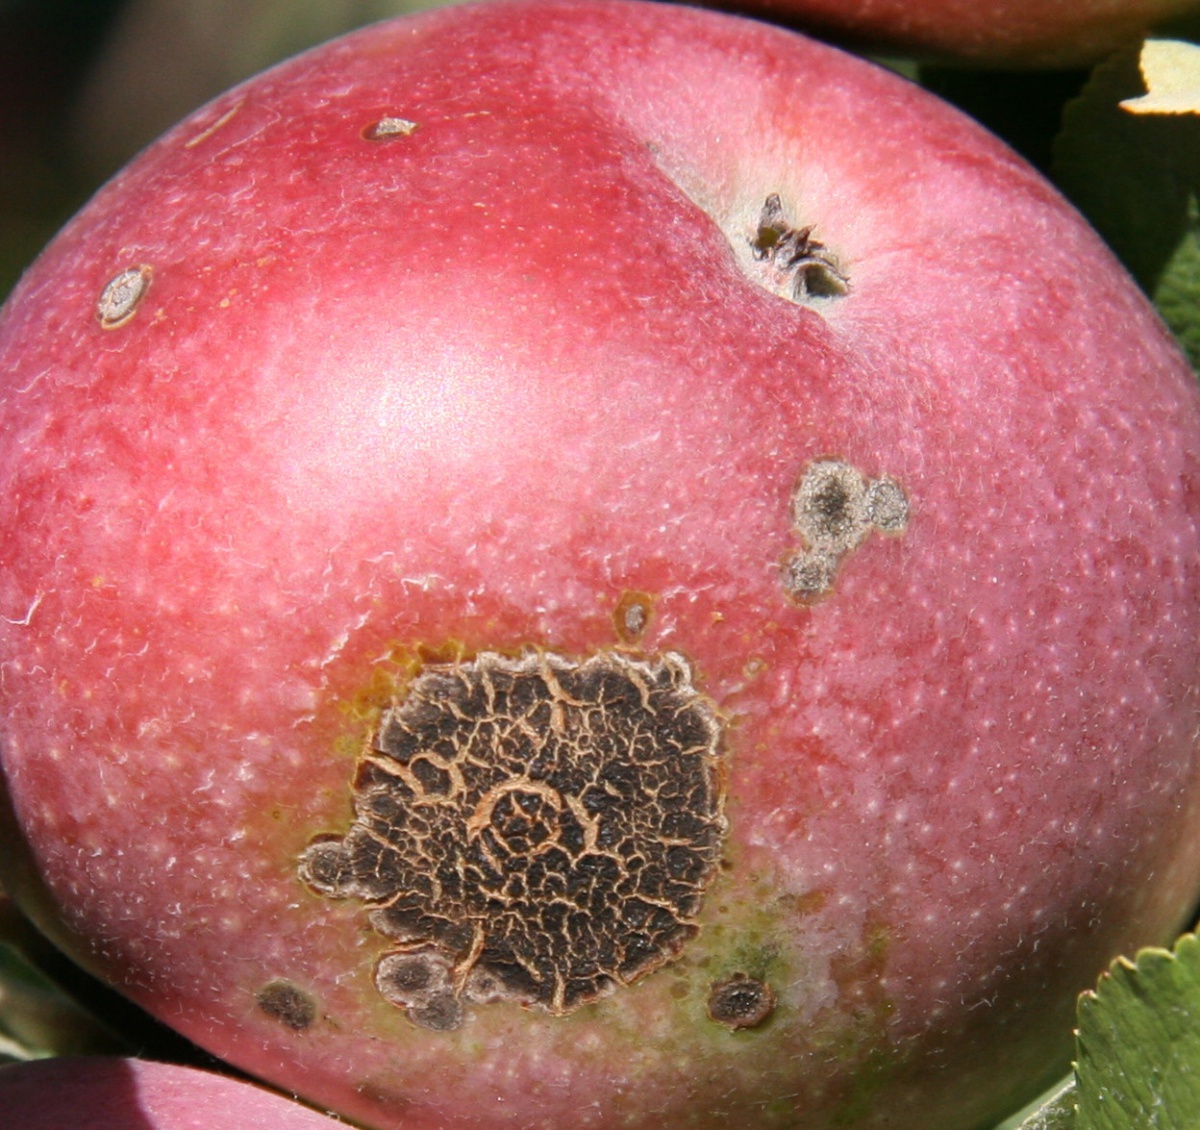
x: 872, y: 1075
x: 865, y: 1042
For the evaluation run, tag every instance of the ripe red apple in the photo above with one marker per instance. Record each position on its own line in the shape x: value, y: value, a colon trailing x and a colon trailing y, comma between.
x: 596, y: 564
x: 998, y: 33
x: 128, y: 1094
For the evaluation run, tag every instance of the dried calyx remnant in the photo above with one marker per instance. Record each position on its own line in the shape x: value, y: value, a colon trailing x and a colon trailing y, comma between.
x: 531, y: 829
x: 812, y: 269
x: 834, y: 508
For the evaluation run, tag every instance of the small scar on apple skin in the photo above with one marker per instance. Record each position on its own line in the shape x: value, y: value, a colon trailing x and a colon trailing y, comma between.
x: 290, y: 1005
x: 834, y: 508
x: 740, y: 1001
x: 632, y: 616
x: 389, y: 128
x: 122, y: 295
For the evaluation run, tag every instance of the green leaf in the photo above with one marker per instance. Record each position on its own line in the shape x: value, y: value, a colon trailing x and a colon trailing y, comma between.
x: 1055, y: 1110
x: 1177, y: 291
x: 1128, y: 157
x: 1138, y: 1044
x: 1024, y: 108
x: 1056, y: 1113
x: 37, y: 1017
x: 1132, y: 175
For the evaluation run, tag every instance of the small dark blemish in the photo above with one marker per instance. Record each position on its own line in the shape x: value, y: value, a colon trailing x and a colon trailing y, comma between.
x: 291, y: 1006
x: 632, y: 616
x: 740, y: 1002
x: 887, y: 506
x: 442, y: 1013
x: 388, y: 129
x: 121, y: 296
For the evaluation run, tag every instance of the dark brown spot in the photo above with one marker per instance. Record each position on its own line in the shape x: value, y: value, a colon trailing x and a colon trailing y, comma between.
x: 291, y: 1006
x: 533, y: 829
x: 740, y: 1002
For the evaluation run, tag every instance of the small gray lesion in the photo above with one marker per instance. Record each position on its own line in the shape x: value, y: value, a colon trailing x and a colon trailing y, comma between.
x: 422, y: 982
x: 834, y: 509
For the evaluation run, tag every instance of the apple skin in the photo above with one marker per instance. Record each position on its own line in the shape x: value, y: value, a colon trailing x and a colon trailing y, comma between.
x: 515, y: 383
x: 1016, y: 34
x: 103, y: 1093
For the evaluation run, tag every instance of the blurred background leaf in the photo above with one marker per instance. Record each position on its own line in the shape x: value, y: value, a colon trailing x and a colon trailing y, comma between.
x: 46, y: 47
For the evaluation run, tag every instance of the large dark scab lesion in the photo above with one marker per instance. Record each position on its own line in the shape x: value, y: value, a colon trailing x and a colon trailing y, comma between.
x: 531, y: 829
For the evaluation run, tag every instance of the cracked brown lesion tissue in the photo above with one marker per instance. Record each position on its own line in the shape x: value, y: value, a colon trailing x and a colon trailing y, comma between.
x: 834, y: 509
x: 533, y: 829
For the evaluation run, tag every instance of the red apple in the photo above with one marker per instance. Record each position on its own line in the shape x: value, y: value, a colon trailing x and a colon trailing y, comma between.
x: 596, y: 564
x: 995, y: 33
x: 129, y: 1094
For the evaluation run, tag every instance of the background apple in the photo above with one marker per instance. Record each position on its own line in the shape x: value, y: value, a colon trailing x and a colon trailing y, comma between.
x: 490, y: 349
x: 999, y: 33
x: 100, y: 1093
x: 163, y: 58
